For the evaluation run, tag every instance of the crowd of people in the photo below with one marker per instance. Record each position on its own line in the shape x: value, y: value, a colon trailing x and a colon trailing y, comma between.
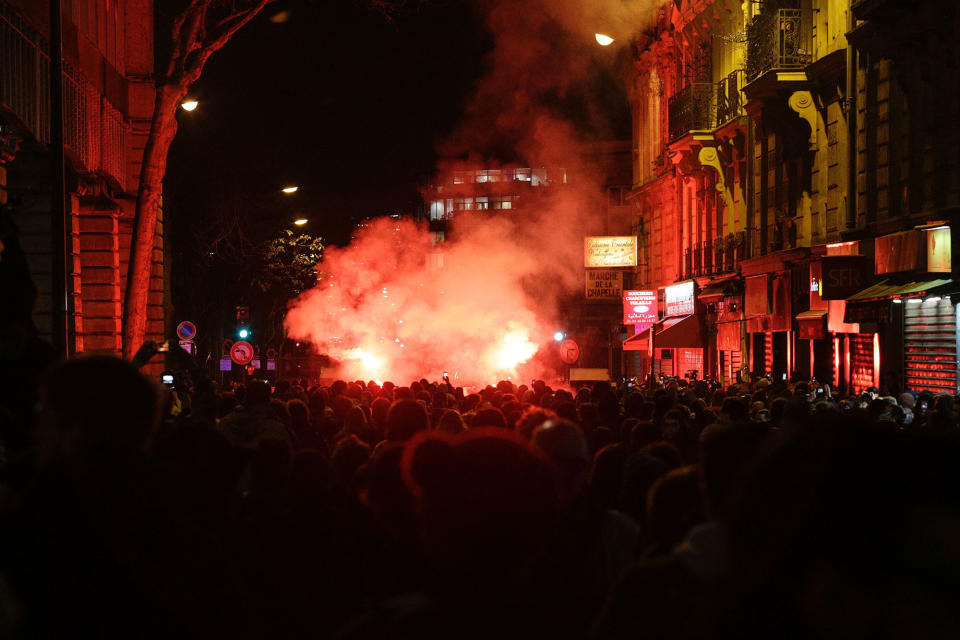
x: 674, y: 509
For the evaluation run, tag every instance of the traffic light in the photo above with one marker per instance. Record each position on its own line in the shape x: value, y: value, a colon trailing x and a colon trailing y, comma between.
x: 243, y: 323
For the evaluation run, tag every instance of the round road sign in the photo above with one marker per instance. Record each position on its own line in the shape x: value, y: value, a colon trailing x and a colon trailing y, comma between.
x: 187, y: 330
x: 226, y: 346
x: 241, y: 352
x: 271, y: 353
x: 569, y: 351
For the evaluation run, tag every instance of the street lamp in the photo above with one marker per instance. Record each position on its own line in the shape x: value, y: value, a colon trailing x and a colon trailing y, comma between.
x: 189, y: 104
x: 300, y: 222
x: 603, y: 39
x: 559, y: 336
x: 290, y: 189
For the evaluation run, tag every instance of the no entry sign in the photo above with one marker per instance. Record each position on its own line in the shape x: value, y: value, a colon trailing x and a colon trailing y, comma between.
x: 241, y: 352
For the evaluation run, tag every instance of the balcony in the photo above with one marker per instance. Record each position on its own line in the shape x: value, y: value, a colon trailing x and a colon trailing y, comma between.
x: 691, y: 109
x: 729, y: 102
x: 779, y: 40
x: 94, y: 130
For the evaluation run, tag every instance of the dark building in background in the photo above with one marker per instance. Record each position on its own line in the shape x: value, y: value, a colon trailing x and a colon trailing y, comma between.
x: 593, y: 321
x: 108, y: 94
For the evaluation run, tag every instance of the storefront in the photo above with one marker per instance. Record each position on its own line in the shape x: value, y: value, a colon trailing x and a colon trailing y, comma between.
x: 830, y: 349
x: 723, y: 300
x: 908, y: 321
x: 678, y: 338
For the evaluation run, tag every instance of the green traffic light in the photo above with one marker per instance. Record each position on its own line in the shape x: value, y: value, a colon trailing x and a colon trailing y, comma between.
x: 243, y: 333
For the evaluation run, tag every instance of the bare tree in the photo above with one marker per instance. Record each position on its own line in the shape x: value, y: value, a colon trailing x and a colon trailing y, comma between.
x: 200, y: 30
x: 203, y: 28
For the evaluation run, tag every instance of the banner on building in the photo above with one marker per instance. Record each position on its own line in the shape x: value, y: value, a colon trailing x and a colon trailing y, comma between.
x: 610, y: 251
x: 639, y: 307
x: 604, y: 284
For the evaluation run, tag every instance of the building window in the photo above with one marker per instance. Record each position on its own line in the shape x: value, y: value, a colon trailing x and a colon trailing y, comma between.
x: 482, y: 203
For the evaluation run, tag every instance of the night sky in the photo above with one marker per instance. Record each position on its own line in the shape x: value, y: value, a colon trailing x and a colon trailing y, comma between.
x: 337, y: 99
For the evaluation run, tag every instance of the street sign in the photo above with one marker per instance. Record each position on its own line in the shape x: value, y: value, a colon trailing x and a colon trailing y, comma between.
x: 569, y: 351
x: 226, y: 346
x: 271, y: 353
x: 187, y: 345
x: 187, y: 330
x: 226, y: 364
x: 241, y: 352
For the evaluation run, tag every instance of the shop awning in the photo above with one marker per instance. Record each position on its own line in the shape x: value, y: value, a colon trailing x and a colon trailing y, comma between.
x: 638, y: 342
x: 812, y: 325
x: 680, y: 333
x: 672, y: 333
x: 721, y: 287
x: 889, y: 289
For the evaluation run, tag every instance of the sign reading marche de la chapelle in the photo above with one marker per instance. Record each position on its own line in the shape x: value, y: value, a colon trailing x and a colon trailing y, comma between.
x: 610, y: 251
x: 604, y: 284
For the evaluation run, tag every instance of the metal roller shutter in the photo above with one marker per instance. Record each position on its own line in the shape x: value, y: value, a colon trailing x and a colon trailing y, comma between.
x: 930, y: 345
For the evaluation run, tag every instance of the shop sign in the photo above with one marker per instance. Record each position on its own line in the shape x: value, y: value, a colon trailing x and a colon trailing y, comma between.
x: 898, y: 252
x: 610, y: 251
x: 678, y: 299
x: 938, y: 250
x: 639, y: 307
x: 841, y: 277
x: 604, y: 284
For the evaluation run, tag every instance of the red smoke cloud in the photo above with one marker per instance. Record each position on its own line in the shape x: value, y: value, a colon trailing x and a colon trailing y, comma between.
x: 384, y: 305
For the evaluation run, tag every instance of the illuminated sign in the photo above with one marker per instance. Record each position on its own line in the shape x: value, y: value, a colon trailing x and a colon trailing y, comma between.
x: 938, y: 250
x: 678, y: 299
x: 604, y: 284
x: 639, y: 307
x: 610, y: 251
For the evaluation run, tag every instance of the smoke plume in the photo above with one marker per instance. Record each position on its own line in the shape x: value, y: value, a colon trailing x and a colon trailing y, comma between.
x: 396, y: 305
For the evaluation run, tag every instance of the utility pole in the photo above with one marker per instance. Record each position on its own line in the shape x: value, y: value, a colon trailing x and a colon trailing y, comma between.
x: 60, y: 234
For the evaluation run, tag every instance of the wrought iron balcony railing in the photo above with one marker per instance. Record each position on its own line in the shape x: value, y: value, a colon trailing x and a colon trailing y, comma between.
x: 94, y: 130
x: 729, y: 101
x: 691, y: 109
x: 779, y: 40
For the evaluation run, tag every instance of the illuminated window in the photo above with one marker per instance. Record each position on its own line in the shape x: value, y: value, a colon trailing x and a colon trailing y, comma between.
x: 488, y: 175
x: 436, y: 210
x: 482, y: 203
x: 463, y: 204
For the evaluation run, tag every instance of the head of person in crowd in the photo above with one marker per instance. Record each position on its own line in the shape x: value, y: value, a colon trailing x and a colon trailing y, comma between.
x: 94, y: 405
x: 349, y: 455
x: 640, y: 471
x: 489, y: 417
x: 487, y: 503
x: 405, y: 418
x: 532, y: 418
x: 564, y: 443
x: 674, y: 506
x: 257, y: 394
x: 451, y: 422
x: 606, y: 474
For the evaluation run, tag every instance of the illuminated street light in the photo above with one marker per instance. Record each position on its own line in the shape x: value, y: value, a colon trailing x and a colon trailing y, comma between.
x: 603, y: 39
x: 559, y: 336
x: 291, y: 189
x: 300, y: 222
x: 189, y: 104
